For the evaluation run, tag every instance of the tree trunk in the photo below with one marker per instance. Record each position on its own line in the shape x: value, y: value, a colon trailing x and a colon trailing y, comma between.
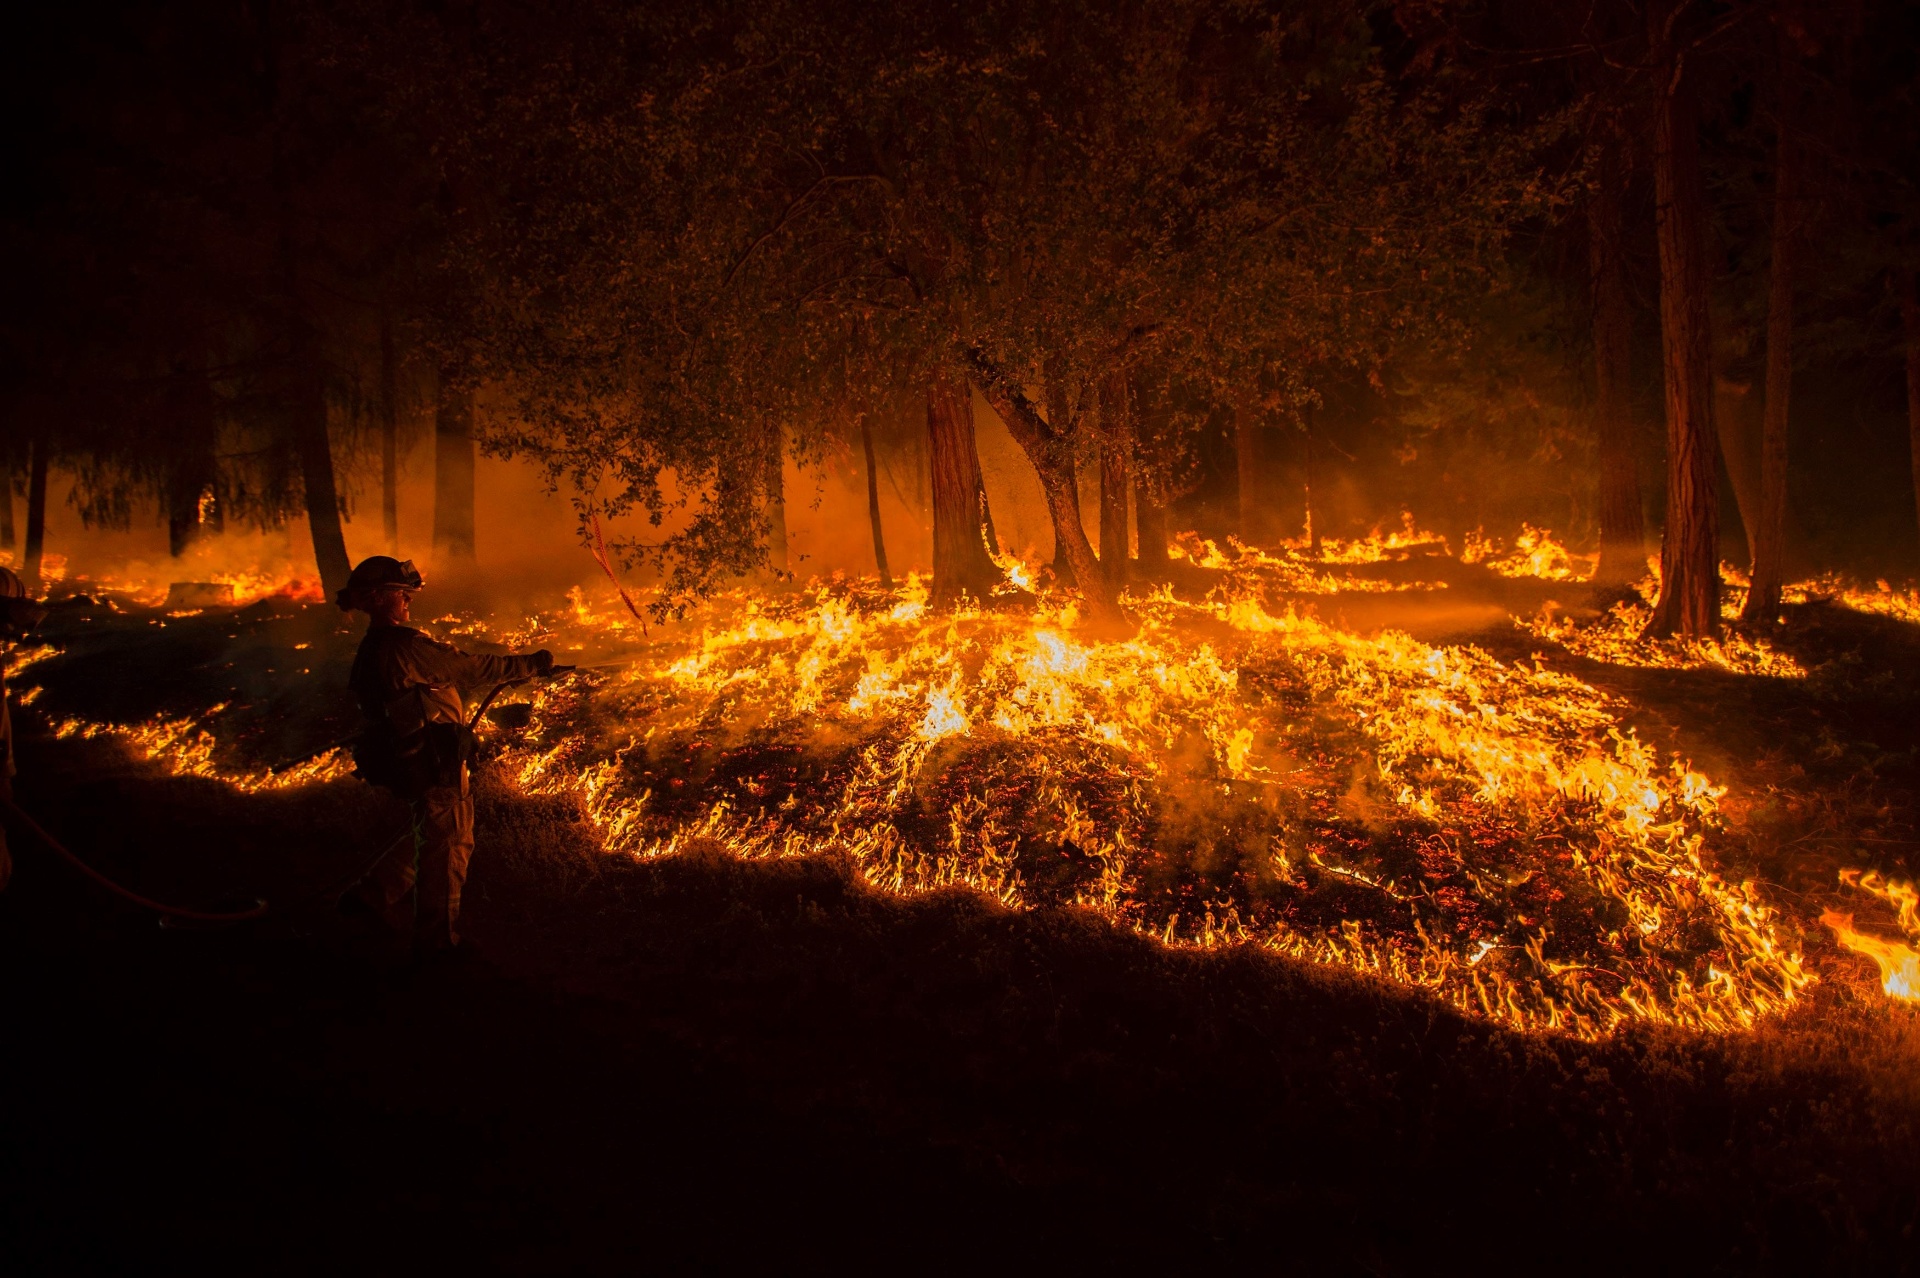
x: 6, y: 495
x: 986, y: 515
x: 36, y: 543
x: 389, y: 436
x: 1689, y: 600
x: 1150, y: 521
x: 1312, y: 527
x: 961, y: 565
x: 873, y: 505
x: 774, y: 478
x: 1246, y: 454
x: 1910, y: 322
x: 1767, y: 534
x: 1050, y: 449
x: 1063, y: 560
x: 1116, y: 476
x: 315, y: 453
x: 1623, y: 534
x: 1734, y: 407
x: 453, y: 466
x: 194, y: 469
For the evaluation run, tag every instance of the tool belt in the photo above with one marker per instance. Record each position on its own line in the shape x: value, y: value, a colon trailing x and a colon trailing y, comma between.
x: 432, y: 757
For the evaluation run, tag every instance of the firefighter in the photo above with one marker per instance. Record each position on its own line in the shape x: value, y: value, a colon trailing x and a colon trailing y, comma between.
x: 417, y: 744
x: 18, y: 614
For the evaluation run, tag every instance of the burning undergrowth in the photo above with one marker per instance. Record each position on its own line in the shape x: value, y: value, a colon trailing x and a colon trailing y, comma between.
x: 1486, y: 831
x: 1239, y: 771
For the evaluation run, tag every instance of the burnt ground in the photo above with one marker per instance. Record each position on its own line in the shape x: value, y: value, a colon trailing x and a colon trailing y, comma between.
x: 706, y: 1063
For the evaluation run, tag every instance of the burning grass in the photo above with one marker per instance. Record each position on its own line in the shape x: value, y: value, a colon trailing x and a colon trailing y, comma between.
x: 1483, y: 830
x: 1239, y: 772
x: 1899, y: 963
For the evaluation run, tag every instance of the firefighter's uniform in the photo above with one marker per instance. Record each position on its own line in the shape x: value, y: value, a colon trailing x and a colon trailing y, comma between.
x: 409, y: 687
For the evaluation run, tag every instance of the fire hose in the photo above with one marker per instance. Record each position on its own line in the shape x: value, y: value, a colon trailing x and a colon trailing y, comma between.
x: 259, y: 907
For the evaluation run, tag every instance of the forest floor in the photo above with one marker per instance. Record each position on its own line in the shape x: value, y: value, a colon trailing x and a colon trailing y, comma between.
x: 702, y: 1062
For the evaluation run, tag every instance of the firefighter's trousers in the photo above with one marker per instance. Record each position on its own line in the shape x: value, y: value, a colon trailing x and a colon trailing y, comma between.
x: 441, y: 847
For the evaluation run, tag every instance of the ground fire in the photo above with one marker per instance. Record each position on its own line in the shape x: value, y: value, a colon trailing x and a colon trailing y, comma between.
x: 1239, y: 772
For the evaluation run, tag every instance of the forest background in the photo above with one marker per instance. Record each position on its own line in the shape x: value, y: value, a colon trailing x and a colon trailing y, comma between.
x: 775, y: 289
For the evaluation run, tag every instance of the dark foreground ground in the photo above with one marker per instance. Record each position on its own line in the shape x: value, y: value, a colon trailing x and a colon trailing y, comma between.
x: 700, y: 1063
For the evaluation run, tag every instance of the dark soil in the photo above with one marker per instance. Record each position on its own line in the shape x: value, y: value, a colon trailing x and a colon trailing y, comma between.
x: 700, y: 1062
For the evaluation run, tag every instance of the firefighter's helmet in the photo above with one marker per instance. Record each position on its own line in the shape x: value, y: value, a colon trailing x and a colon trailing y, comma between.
x: 374, y: 573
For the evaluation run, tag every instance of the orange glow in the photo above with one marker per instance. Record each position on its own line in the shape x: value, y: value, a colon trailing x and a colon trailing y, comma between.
x: 947, y: 747
x: 1899, y: 963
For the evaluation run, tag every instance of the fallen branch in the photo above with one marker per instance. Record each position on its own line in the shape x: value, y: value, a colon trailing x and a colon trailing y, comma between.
x: 599, y: 552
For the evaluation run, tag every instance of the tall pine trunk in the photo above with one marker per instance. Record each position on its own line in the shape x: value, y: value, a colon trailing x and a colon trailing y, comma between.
x: 1116, y: 477
x: 453, y: 466
x: 192, y: 501
x: 389, y: 435
x: 961, y: 565
x: 1310, y: 525
x: 1246, y: 455
x: 6, y: 494
x: 1623, y: 534
x: 1768, y: 534
x: 314, y: 451
x: 1689, y: 600
x: 873, y: 504
x: 1150, y: 524
x: 986, y: 517
x: 1734, y: 408
x: 774, y: 482
x: 1910, y: 323
x: 1063, y: 569
x: 36, y: 542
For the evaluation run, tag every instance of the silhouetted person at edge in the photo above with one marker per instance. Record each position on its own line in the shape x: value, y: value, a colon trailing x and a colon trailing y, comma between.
x: 417, y: 744
x: 18, y: 614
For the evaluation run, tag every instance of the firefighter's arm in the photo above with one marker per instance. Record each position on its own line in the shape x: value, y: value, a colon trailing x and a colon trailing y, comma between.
x: 440, y: 663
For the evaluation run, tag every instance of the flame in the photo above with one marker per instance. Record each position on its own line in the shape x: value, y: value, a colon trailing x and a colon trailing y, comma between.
x: 951, y: 743
x: 1615, y: 638
x: 1899, y: 963
x: 185, y: 747
x: 1238, y: 772
x: 1292, y: 568
x: 1376, y: 546
x: 1536, y: 553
